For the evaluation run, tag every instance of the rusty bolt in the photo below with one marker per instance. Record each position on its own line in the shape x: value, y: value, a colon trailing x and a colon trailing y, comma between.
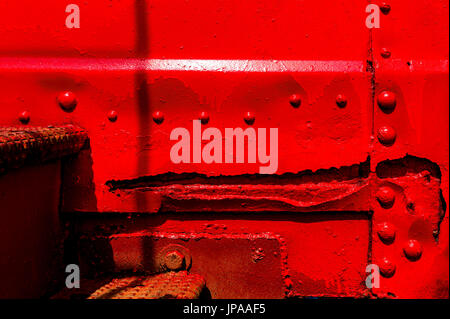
x: 387, y: 268
x: 386, y: 232
x: 204, y: 117
x: 174, y: 260
x: 385, y: 196
x: 412, y: 250
x: 387, y: 101
x: 295, y: 100
x: 341, y: 100
x: 158, y: 117
x: 386, y: 135
x: 249, y: 118
x: 112, y: 116
x: 385, y: 53
x: 67, y: 100
x: 24, y: 117
x: 385, y: 8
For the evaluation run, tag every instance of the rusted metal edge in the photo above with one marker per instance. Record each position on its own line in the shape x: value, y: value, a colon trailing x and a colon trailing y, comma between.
x: 170, y: 285
x: 22, y: 145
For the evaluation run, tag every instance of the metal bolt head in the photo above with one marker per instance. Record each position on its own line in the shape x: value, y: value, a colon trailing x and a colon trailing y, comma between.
x: 385, y: 53
x: 385, y: 196
x: 112, y: 116
x: 295, y: 100
x: 341, y: 100
x: 413, y: 250
x: 386, y: 233
x: 158, y: 117
x: 385, y: 8
x: 67, y: 100
x: 249, y: 118
x: 174, y: 260
x: 386, y: 135
x: 204, y: 117
x: 387, y: 268
x: 24, y: 117
x: 387, y: 101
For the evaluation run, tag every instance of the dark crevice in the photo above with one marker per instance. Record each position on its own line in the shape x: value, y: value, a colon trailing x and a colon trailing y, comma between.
x: 407, y: 165
x: 344, y: 173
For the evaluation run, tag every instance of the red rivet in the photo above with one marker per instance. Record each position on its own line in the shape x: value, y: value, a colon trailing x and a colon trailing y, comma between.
x: 385, y: 196
x: 385, y: 53
x: 341, y: 100
x: 386, y: 135
x: 387, y: 268
x: 295, y: 100
x: 249, y: 118
x: 413, y: 250
x: 67, y: 100
x: 385, y: 8
x: 24, y: 117
x: 386, y: 233
x: 387, y: 101
x: 204, y: 117
x: 158, y: 117
x: 112, y: 116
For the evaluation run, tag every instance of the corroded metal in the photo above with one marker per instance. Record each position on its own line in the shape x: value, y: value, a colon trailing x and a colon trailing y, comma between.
x: 19, y: 145
x: 170, y: 285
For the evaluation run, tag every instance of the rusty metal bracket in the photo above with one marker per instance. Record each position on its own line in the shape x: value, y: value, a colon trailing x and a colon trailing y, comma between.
x: 20, y: 145
x: 169, y: 285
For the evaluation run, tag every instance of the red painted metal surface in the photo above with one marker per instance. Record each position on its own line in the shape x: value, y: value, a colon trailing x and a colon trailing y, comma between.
x: 362, y: 118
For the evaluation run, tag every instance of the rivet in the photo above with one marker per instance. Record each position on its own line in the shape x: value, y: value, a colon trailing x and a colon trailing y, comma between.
x: 385, y: 53
x: 67, y: 100
x: 295, y: 100
x: 174, y: 260
x: 24, y: 117
x: 387, y: 268
x: 158, y: 117
x: 386, y: 233
x: 341, y: 100
x: 204, y: 117
x: 413, y: 250
x: 112, y: 116
x: 385, y: 196
x: 249, y: 118
x: 386, y: 135
x: 387, y: 101
x: 385, y: 8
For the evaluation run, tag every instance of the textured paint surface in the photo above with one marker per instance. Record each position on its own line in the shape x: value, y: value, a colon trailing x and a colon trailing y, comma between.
x: 362, y: 117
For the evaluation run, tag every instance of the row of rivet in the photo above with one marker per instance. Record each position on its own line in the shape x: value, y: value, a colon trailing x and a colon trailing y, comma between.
x: 412, y: 250
x: 68, y: 101
x: 386, y: 232
x: 387, y: 101
x: 386, y: 196
x: 385, y: 9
